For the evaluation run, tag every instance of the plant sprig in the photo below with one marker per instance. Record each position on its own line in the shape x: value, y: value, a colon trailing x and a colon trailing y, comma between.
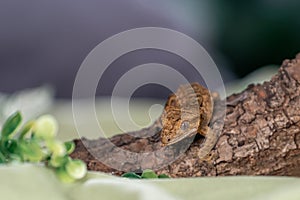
x: 35, y: 142
x: 147, y: 174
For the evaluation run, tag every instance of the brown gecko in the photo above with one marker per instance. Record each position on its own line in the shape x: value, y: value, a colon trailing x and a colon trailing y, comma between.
x: 186, y: 113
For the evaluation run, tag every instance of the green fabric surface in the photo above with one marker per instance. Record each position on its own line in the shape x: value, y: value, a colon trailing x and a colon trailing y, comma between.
x: 30, y: 182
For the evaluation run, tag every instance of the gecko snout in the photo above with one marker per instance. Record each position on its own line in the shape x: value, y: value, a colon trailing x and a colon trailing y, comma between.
x: 165, y: 139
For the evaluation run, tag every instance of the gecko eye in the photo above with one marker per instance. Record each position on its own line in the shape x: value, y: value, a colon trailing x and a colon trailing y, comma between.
x: 184, y: 125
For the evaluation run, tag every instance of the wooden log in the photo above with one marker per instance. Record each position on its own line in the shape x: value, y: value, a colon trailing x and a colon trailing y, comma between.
x: 260, y: 136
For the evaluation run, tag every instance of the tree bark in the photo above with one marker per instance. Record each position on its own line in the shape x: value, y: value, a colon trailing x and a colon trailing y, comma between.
x: 260, y: 136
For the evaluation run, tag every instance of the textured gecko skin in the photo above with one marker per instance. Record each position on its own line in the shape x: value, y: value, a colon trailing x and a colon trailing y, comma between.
x: 186, y: 113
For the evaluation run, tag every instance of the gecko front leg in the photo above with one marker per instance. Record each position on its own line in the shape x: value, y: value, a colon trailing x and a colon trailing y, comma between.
x: 209, y: 143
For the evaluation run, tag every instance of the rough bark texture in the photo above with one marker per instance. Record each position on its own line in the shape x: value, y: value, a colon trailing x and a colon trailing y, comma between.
x: 260, y: 136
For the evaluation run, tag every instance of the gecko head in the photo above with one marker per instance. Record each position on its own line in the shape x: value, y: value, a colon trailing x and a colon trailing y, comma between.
x: 175, y: 128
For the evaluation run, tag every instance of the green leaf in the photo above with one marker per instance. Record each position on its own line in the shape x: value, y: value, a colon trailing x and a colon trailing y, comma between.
x: 131, y: 175
x: 163, y: 176
x: 35, y: 142
x: 11, y: 124
x: 64, y: 176
x: 31, y: 151
x: 70, y: 147
x: 58, y: 161
x: 2, y: 158
x: 26, y: 129
x: 11, y: 146
x: 148, y: 173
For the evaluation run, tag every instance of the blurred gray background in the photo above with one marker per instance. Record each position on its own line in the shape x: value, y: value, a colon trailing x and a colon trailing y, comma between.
x: 44, y: 42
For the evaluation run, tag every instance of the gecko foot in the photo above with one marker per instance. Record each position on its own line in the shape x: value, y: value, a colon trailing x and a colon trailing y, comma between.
x: 209, y: 143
